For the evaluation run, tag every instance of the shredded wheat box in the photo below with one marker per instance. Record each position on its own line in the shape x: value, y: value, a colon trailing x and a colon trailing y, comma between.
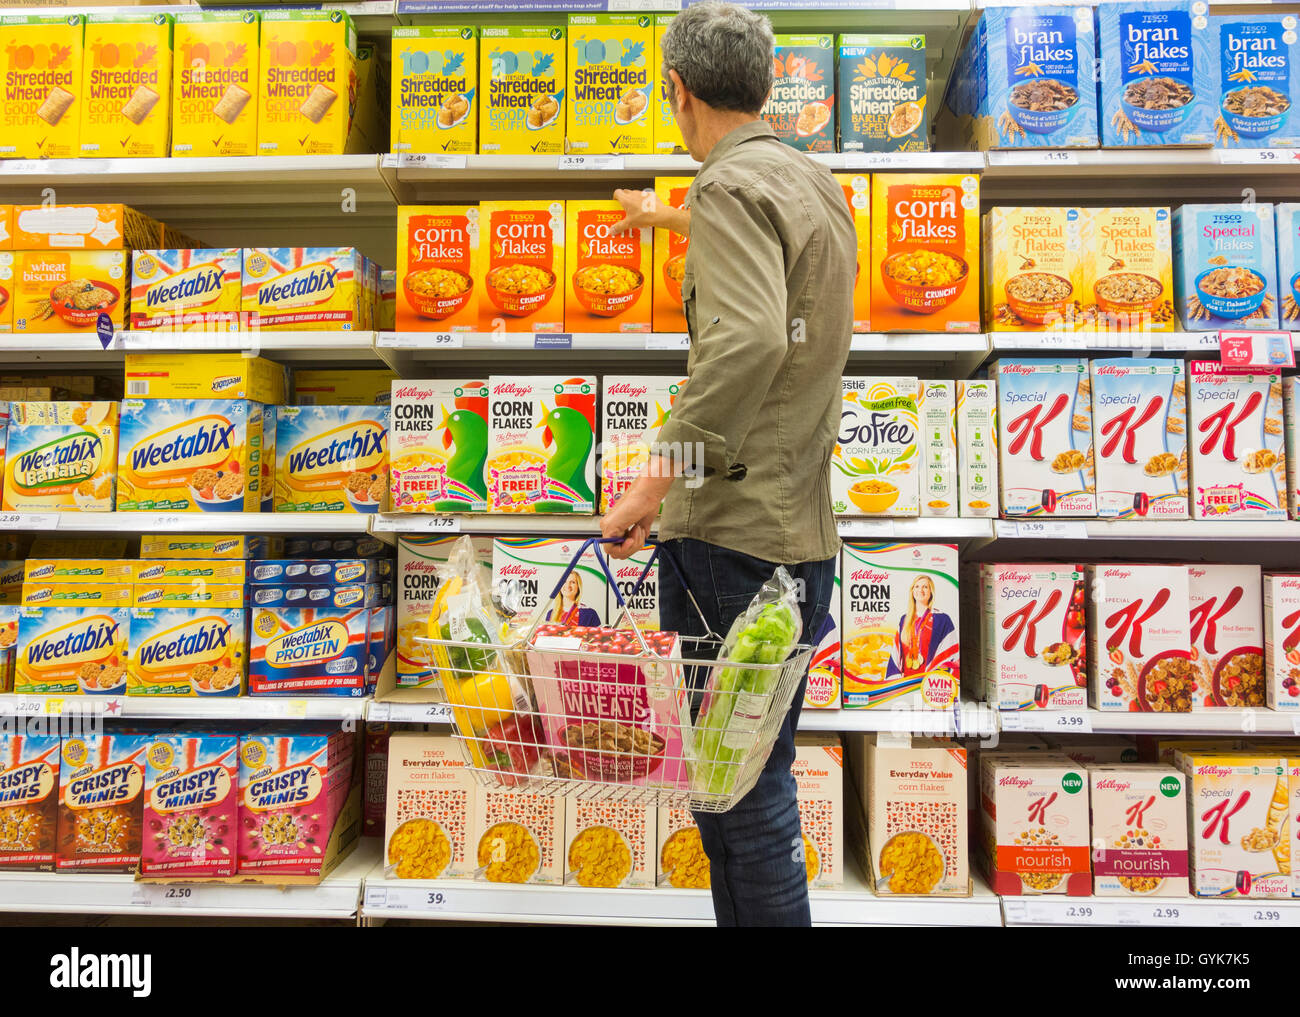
x: 41, y: 57
x: 1282, y: 640
x: 876, y: 465
x: 1139, y: 638
x: 610, y: 83
x: 518, y: 837
x: 818, y: 771
x: 1227, y: 635
x: 801, y: 107
x: 126, y: 85
x: 215, y: 83
x: 1139, y: 831
x: 434, y: 106
x: 977, y: 447
x: 882, y: 98
x: 522, y: 90
x: 667, y: 135
x: 307, y: 88
x: 1237, y: 446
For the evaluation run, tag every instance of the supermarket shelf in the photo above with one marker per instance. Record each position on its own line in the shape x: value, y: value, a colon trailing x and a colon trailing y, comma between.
x: 34, y: 349
x: 187, y: 522
x: 1116, y: 342
x: 198, y: 708
x: 1163, y: 530
x: 1206, y: 722
x: 1156, y: 912
x: 416, y: 7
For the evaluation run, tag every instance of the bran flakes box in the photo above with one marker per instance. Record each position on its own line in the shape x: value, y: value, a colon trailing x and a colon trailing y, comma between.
x: 1227, y: 635
x: 67, y: 291
x: 191, y: 805
x: 937, y: 412
x: 126, y: 85
x: 324, y: 651
x: 184, y: 291
x: 41, y: 60
x: 632, y: 411
x: 72, y: 650
x: 1139, y: 414
x: 1034, y: 821
x: 522, y: 89
x: 1237, y: 447
x: 521, y: 259
x: 434, y: 105
x: 977, y: 443
x: 331, y: 459
x: 857, y: 192
x: 418, y: 560
x: 215, y: 83
x: 609, y: 844
x: 667, y: 135
x: 437, y: 264
x: 1225, y: 267
x: 61, y: 456
x: 1045, y: 437
x: 1139, y: 831
x: 1257, y: 70
x: 541, y: 444
x: 824, y: 689
x: 1032, y: 276
x: 29, y: 798
x: 609, y: 278
x: 101, y: 801
x: 876, y: 462
x: 303, y: 288
x: 1288, y: 264
x: 532, y: 566
x: 818, y: 770
x: 1126, y: 275
x: 307, y: 88
x: 1291, y: 422
x: 901, y: 645
x: 667, y: 313
x: 186, y: 651
x: 800, y: 107
x: 438, y: 444
x: 428, y: 809
x: 610, y: 84
x: 882, y: 98
x: 518, y: 837
x: 1281, y: 640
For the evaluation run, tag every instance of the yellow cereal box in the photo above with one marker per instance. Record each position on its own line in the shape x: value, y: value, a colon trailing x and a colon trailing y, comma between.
x: 308, y: 90
x: 188, y: 594
x: 518, y: 837
x: 207, y: 545
x: 6, y: 293
x: 183, y: 571
x: 1127, y: 270
x: 667, y: 313
x: 331, y: 459
x: 67, y: 291
x: 78, y: 570
x: 607, y: 275
x: 6, y: 227
x: 184, y: 291
x: 434, y: 105
x: 72, y: 650
x: 520, y: 261
x: 610, y: 81
x: 126, y: 85
x: 1031, y: 269
x: 61, y: 456
x: 437, y: 262
x: 857, y: 192
x: 299, y: 289
x: 75, y: 594
x: 667, y: 135
x: 214, y: 80
x: 181, y: 455
x: 541, y: 444
x: 187, y: 651
x: 204, y: 376
x: 84, y: 227
x: 41, y: 59
x: 876, y: 465
x: 521, y: 85
x: 343, y: 388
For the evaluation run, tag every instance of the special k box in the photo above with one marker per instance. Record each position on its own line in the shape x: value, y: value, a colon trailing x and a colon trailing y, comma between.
x: 522, y: 88
x: 1227, y: 635
x: 331, y: 459
x: 518, y: 837
x: 608, y: 275
x: 521, y: 245
x: 126, y: 85
x: 1282, y: 640
x: 72, y: 650
x: 1045, y: 437
x: 1139, y: 831
x: 196, y: 290
x: 438, y: 444
x: 61, y: 456
x: 818, y: 770
x: 182, y: 455
x: 29, y: 775
x: 609, y: 844
x: 876, y: 465
x: 186, y: 651
x: 668, y: 313
x: 308, y: 82
x: 303, y: 288
x: 41, y: 58
x: 214, y: 83
x: 541, y: 444
x: 67, y: 291
x: 191, y: 805
x: 428, y: 809
x: 204, y: 376
x: 610, y: 83
x: 437, y: 263
x: 632, y: 411
x: 1238, y: 449
x: 101, y: 801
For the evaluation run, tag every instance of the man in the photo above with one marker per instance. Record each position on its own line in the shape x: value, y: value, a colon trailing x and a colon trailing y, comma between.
x: 743, y: 463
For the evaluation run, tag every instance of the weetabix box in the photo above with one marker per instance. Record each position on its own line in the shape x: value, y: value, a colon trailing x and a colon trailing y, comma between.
x: 667, y: 135
x: 1288, y: 264
x: 667, y: 312
x: 1227, y: 635
x: 331, y: 459
x: 1139, y: 831
x: 204, y: 376
x: 324, y: 651
x: 303, y: 288
x: 343, y: 388
x: 187, y: 651
x: 876, y: 466
x: 608, y: 276
x: 1257, y: 71
x: 1225, y: 266
x: 610, y: 84
x: 29, y: 774
x: 1238, y: 450
x: 307, y: 82
x: 438, y: 445
x: 182, y: 291
x: 41, y: 57
x: 800, y: 108
x: 519, y: 267
x: 541, y: 444
x: 61, y: 457
x: 1282, y: 640
x: 434, y: 105
x: 881, y: 93
x: 937, y: 412
x: 72, y: 650
x: 126, y: 85
x: 977, y: 448
x: 437, y: 264
x: 522, y: 90
x: 1127, y: 274
x: 1032, y: 276
x: 215, y: 83
x: 857, y: 192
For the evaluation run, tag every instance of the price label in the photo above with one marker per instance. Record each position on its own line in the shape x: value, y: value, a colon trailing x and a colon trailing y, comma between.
x: 27, y: 706
x: 443, y: 341
x: 1047, y: 720
x: 29, y: 520
x: 1266, y: 916
x: 171, y: 522
x: 668, y: 341
x: 1128, y: 916
x: 292, y: 708
x: 1260, y: 156
x: 414, y: 713
x: 553, y: 341
x: 1081, y: 913
x: 872, y: 160
x: 378, y: 711
x: 151, y: 895
x: 1027, y: 912
x: 1245, y: 351
x: 1048, y: 157
x: 1055, y: 529
x: 433, y: 524
x: 865, y: 527
x: 590, y: 162
x: 432, y: 160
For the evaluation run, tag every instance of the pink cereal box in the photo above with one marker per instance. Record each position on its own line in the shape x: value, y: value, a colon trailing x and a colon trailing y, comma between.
x: 818, y: 770
x: 609, y: 844
x: 191, y: 787
x: 429, y: 809
x: 518, y: 837
x: 1139, y: 831
x: 1227, y: 635
x: 1282, y: 641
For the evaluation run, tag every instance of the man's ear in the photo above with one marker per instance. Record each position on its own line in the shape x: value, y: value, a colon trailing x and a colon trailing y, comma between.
x: 679, y: 90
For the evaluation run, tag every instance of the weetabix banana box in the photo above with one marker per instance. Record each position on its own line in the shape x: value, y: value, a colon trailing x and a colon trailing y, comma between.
x: 610, y: 84
x: 67, y: 291
x: 1032, y: 270
x: 541, y: 444
x: 667, y: 313
x: 438, y: 444
x: 522, y: 82
x: 41, y: 56
x: 437, y: 265
x: 61, y: 456
x: 72, y: 649
x: 184, y: 455
x: 521, y: 259
x: 184, y: 291
x: 608, y: 276
x: 308, y: 82
x: 214, y: 80
x: 800, y: 107
x: 331, y: 459
x: 667, y: 135
x: 857, y: 192
x: 186, y: 651
x: 299, y: 289
x: 126, y: 85
x: 204, y: 376
x: 434, y: 103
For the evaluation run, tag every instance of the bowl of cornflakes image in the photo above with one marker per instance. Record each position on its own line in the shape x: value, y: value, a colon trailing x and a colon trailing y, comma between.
x: 924, y: 281
x: 218, y: 490
x: 437, y: 292
x: 873, y: 495
x: 910, y: 862
x: 519, y: 289
x: 508, y: 853
x: 607, y: 290
x: 418, y: 849
x: 80, y: 302
x: 674, y: 272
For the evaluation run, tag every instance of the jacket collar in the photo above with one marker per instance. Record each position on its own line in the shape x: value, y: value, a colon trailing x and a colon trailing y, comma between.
x: 737, y: 136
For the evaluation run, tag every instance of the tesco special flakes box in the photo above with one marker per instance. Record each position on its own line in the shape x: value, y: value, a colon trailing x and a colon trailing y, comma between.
x: 800, y: 108
x: 1032, y: 278
x: 434, y: 106
x: 303, y: 288
x: 522, y: 90
x: 1126, y: 269
x: 187, y: 651
x: 1139, y: 830
x: 608, y: 275
x: 126, y: 85
x: 1227, y: 635
x: 876, y: 464
x: 193, y: 290
x: 610, y: 84
x: 541, y: 444
x: 61, y: 456
x: 1225, y: 266
x: 437, y: 264
x: 1236, y: 445
x: 191, y: 805
x: 29, y: 798
x: 331, y: 458
x: 438, y: 445
x: 41, y: 56
x: 214, y: 83
x: 101, y: 801
x: 307, y: 90
x: 1258, y: 76
x: 521, y: 259
x: 632, y: 411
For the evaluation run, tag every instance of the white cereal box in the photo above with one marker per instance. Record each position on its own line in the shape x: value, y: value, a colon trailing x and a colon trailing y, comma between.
x: 541, y: 444
x: 1225, y: 266
x: 1139, y: 830
x: 1291, y: 424
x: 1288, y: 264
x: 825, y: 686
x: 682, y: 861
x: 1227, y: 635
x: 518, y: 837
x: 429, y: 809
x: 1045, y: 438
x: 1139, y: 420
x: 818, y: 771
x: 1237, y: 448
x: 609, y: 844
x: 640, y: 596
x: 937, y: 410
x: 529, y: 569
x: 875, y: 469
x: 418, y: 560
x: 977, y: 445
x: 1282, y: 640
x: 438, y: 443
x: 632, y: 411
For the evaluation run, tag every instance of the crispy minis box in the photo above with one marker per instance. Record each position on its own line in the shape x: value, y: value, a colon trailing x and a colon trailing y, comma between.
x: 521, y: 258
x: 632, y: 411
x: 429, y: 809
x: 41, y: 56
x: 331, y: 459
x: 214, y: 83
x: 438, y: 443
x: 437, y: 268
x: 61, y: 456
x: 801, y: 107
x: 608, y: 277
x: 882, y: 100
x: 1032, y: 277
x: 101, y: 801
x: 1227, y: 635
x: 518, y: 837
x: 1257, y: 71
x: 303, y: 288
x: 1237, y: 446
x: 541, y: 444
x: 876, y: 464
x: 67, y: 291
x: 670, y: 260
x: 204, y: 376
x: 186, y: 290
x: 308, y: 82
x: 1225, y: 266
x: 186, y: 651
x: 191, y: 805
x: 610, y: 83
x: 434, y: 106
x: 126, y: 85
x: 29, y: 798
x: 72, y: 650
x: 1139, y: 831
x: 522, y: 90
x: 609, y: 844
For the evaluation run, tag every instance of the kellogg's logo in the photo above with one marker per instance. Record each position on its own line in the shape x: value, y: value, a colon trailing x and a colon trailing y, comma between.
x: 512, y: 388
x: 1013, y: 781
x: 295, y: 786
x: 200, y: 640
x: 181, y: 449
x: 325, y: 459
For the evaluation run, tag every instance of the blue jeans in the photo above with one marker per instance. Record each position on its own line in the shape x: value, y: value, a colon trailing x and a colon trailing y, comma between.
x: 756, y: 855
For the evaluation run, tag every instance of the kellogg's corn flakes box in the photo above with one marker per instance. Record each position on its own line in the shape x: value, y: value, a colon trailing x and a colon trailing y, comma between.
x: 68, y: 291
x: 204, y: 376
x: 72, y: 650
x: 434, y: 89
x: 101, y: 801
x: 186, y: 651
x: 882, y: 93
x: 876, y: 465
x: 214, y: 80
x: 857, y: 192
x: 126, y: 85
x: 532, y: 567
x: 331, y: 459
x: 610, y: 83
x: 41, y: 57
x: 61, y: 456
x: 608, y: 276
x: 418, y: 560
x: 191, y: 805
x: 1257, y: 70
x: 824, y: 688
x: 520, y: 262
x: 667, y: 135
x: 438, y: 445
x: 303, y: 288
x: 186, y: 290
x: 541, y: 444
x: 668, y: 314
x: 437, y: 264
x: 308, y: 87
x: 632, y: 411
x: 181, y: 455
x: 522, y: 83
x: 1032, y: 273
x: 29, y: 798
x: 800, y: 108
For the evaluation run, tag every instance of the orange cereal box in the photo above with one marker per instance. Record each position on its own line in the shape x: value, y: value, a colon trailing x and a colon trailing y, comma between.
x: 29, y: 798
x: 609, y: 844
x: 41, y: 59
x: 437, y: 262
x: 1032, y: 279
x: 607, y: 275
x: 428, y: 809
x: 214, y: 83
x: 127, y: 85
x: 518, y: 837
x: 110, y: 227
x: 67, y: 291
x: 1126, y: 269
x: 520, y: 262
x: 925, y: 241
x: 667, y: 313
x: 857, y: 192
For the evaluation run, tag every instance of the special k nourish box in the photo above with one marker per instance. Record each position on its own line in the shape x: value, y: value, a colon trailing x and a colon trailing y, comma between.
x: 608, y: 274
x: 41, y: 58
x: 1237, y: 446
x: 127, y: 85
x: 1139, y: 830
x: 214, y: 83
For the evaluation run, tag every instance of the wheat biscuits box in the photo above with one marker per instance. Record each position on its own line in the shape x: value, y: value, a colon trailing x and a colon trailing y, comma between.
x: 881, y: 92
x: 428, y: 809
x: 609, y: 844
x: 633, y: 408
x: 187, y: 651
x: 68, y: 291
x: 191, y: 805
x: 1281, y: 640
x: 876, y: 464
x: 72, y: 650
x: 186, y: 290
x: 1225, y: 266
x: 1237, y: 449
x: 857, y: 192
x: 1257, y: 71
x: 307, y: 87
x: 937, y: 413
x: 818, y: 770
x: 438, y: 445
x: 518, y: 837
x: 29, y: 798
x: 668, y: 313
x: 1288, y: 264
x: 1227, y: 635
x: 126, y: 85
x: 215, y: 83
x: 977, y: 448
x: 434, y: 105
x: 523, y: 85
x: 541, y: 444
x: 1139, y: 830
x: 418, y: 561
x: 61, y: 456
x: 824, y: 689
x: 41, y: 57
x: 608, y: 276
x: 521, y: 259
x: 437, y: 264
x: 204, y: 376
x: 667, y: 135
x: 303, y: 288
x: 610, y: 84
x: 1032, y: 273
x: 101, y: 801
x: 1034, y: 822
x: 331, y: 459
x: 801, y: 106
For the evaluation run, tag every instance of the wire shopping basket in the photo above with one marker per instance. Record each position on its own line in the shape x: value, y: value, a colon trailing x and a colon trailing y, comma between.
x: 616, y: 713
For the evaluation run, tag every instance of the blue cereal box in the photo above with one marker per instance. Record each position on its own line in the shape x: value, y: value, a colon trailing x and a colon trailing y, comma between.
x: 1288, y: 264
x: 1225, y: 266
x: 331, y: 459
x: 320, y: 571
x: 1156, y: 74
x: 186, y: 651
x: 296, y: 651
x: 1258, y: 76
x: 359, y: 595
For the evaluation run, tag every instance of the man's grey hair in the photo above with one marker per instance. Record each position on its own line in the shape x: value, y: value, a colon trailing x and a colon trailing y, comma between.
x: 723, y: 53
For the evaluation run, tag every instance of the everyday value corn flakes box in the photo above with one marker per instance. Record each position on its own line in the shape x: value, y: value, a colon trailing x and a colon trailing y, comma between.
x: 29, y: 776
x: 303, y: 288
x: 204, y: 376
x: 1237, y: 448
x: 610, y: 84
x: 857, y: 192
x: 342, y: 388
x: 41, y: 57
x: 668, y: 314
x: 1227, y: 635
x: 418, y: 560
x: 977, y: 443
x: 800, y: 108
x: 428, y: 809
x: 181, y: 455
x: 67, y: 291
x: 522, y: 90
x: 667, y: 135
x: 1257, y: 71
x: 541, y: 444
x: 186, y: 651
x: 632, y: 411
x: 1032, y: 279
x: 434, y: 104
x: 818, y: 771
x: 608, y: 276
x: 1225, y: 266
x: 609, y: 844
x: 520, y: 262
x: 307, y: 88
x: 438, y: 445
x: 518, y: 837
x: 882, y: 98
x: 437, y: 265
x: 214, y: 81
x: 72, y: 650
x: 1127, y: 276
x: 191, y: 805
x: 126, y: 85
x: 61, y: 456
x: 196, y: 290
x: 877, y: 458
x: 531, y: 567
x: 331, y: 459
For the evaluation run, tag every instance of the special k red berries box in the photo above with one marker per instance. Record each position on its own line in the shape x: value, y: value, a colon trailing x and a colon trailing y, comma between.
x: 1227, y: 635
x: 1282, y: 640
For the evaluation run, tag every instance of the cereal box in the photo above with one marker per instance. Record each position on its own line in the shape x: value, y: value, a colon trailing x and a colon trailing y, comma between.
x: 386, y: 312
x: 1155, y: 73
x: 308, y: 79
x: 532, y: 567
x: 1024, y: 79
x: 186, y: 290
x: 1034, y: 646
x: 610, y: 83
x: 1045, y: 437
x: 343, y: 388
x: 1032, y: 278
x: 290, y: 595
x: 818, y: 771
x: 882, y: 100
x: 521, y: 260
x: 292, y: 788
x: 1238, y: 806
x: 824, y: 688
x: 434, y: 106
x: 72, y: 650
x: 1139, y: 639
x: 550, y: 471
x: 295, y: 651
x: 1291, y: 423
x: 29, y: 798
x: 183, y: 455
x: 518, y: 837
x: 668, y: 314
x: 84, y: 228
x: 101, y: 801
x: 1257, y: 71
x: 429, y: 809
x: 522, y: 81
x: 204, y: 376
x: 437, y: 263
x: 608, y: 276
x: 68, y: 291
x: 303, y: 288
x: 1237, y: 448
x: 1087, y: 750
x: 632, y: 411
x: 1139, y: 414
x: 1139, y: 831
x: 682, y: 861
x: 1288, y: 264
x: 1034, y: 818
x: 609, y: 844
x: 418, y: 559
x: 319, y: 572
x: 41, y: 59
x: 214, y: 595
x: 857, y: 192
x: 801, y: 107
x: 900, y: 631
x: 937, y: 412
x: 61, y: 456
x: 925, y: 241
x: 375, y: 776
x: 191, y: 805
x: 877, y: 460
x: 331, y: 459
x: 214, y: 81
x: 186, y: 651
x: 1227, y: 635
x: 204, y: 545
x: 1225, y: 266
x: 126, y: 85
x: 667, y: 135
x: 89, y: 594
x: 438, y: 444
x: 1281, y: 639
x: 1126, y: 276
x: 977, y: 445
x: 6, y: 227
x: 641, y: 597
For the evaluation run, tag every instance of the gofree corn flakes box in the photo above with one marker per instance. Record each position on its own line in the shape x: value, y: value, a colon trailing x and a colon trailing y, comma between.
x: 667, y: 312
x: 126, y: 85
x: 72, y: 650
x: 191, y: 787
x: 186, y: 291
x: 308, y: 82
x: 214, y: 81
x: 541, y: 444
x: 437, y: 268
x: 331, y: 459
x: 101, y: 801
x: 29, y: 798
x: 876, y: 463
x: 521, y: 245
x: 61, y: 456
x: 522, y: 84
x: 610, y: 83
x: 438, y: 445
x: 181, y: 455
x: 68, y: 291
x: 303, y: 288
x: 186, y: 651
x: 434, y: 105
x: 608, y: 276
x: 41, y: 56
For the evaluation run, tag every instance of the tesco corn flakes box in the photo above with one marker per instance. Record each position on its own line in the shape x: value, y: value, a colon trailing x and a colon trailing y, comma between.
x: 608, y: 275
x: 428, y: 809
x: 331, y: 459
x: 541, y: 444
x: 1237, y: 448
x: 41, y: 57
x: 215, y: 83
x: 434, y: 104
x: 307, y: 91
x: 437, y: 263
x: 632, y: 411
x: 182, y: 455
x: 191, y: 805
x: 126, y: 85
x: 876, y: 463
x: 183, y: 651
x: 303, y: 288
x: 438, y: 445
x: 61, y: 456
x: 522, y: 89
x: 521, y: 259
x: 518, y: 837
x: 72, y: 650
x: 610, y: 84
x: 183, y: 291
x: 668, y: 313
x: 418, y: 560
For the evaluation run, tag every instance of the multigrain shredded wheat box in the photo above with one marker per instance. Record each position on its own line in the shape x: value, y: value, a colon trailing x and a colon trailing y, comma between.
x: 1139, y: 831
x: 1139, y: 638
x: 1227, y: 635
x: 1236, y: 443
x: 800, y: 108
x: 881, y: 93
x: 1282, y: 640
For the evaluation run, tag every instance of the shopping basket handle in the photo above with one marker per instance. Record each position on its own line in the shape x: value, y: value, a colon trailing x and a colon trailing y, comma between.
x: 668, y: 556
